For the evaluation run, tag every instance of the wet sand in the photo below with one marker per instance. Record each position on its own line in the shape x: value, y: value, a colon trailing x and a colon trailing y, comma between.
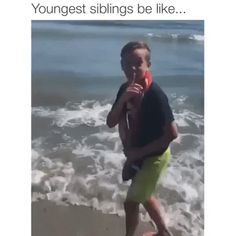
x: 51, y: 219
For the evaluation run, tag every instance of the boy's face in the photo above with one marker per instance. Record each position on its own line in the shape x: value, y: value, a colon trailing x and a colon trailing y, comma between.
x: 135, y: 65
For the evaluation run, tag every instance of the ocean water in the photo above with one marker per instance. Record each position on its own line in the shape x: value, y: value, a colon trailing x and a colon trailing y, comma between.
x: 75, y: 77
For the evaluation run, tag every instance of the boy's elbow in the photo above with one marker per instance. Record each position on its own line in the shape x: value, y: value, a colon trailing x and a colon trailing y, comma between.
x: 109, y: 124
x: 172, y: 131
x: 109, y: 121
x: 171, y: 137
x: 174, y: 135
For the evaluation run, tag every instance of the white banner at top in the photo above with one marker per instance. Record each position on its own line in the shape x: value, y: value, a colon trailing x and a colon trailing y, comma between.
x: 116, y: 10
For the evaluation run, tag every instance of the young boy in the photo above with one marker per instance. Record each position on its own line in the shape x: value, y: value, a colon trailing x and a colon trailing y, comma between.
x: 146, y: 127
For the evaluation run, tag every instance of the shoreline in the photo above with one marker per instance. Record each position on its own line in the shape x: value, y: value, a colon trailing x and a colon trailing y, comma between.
x: 50, y: 219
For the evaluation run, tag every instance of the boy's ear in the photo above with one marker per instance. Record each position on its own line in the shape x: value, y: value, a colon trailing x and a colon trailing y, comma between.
x: 149, y: 64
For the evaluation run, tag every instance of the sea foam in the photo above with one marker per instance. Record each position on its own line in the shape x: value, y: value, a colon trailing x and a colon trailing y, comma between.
x: 91, y: 174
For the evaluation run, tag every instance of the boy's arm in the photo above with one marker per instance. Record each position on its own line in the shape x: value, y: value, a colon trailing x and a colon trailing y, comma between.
x: 117, y: 111
x: 155, y: 147
x: 123, y: 131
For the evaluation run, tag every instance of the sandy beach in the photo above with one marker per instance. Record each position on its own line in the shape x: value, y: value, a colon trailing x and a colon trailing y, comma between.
x: 50, y: 219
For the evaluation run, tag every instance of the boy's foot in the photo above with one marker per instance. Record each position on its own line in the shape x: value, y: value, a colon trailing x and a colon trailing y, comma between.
x: 150, y: 234
x: 165, y: 233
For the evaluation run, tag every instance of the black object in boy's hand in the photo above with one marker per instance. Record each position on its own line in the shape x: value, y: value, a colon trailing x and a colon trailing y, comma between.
x: 129, y: 171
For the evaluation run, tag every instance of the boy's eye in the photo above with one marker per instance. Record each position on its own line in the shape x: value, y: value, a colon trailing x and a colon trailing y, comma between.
x: 130, y: 64
x: 139, y: 63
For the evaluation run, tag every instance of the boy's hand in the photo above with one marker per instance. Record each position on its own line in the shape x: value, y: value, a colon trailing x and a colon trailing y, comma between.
x: 133, y: 91
x: 133, y: 154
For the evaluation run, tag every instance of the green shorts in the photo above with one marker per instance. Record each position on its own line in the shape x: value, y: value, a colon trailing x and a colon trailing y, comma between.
x: 148, y: 177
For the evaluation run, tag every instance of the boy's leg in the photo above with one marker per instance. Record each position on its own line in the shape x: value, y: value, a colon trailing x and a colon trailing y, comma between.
x: 141, y: 189
x: 152, y: 206
x: 131, y: 216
